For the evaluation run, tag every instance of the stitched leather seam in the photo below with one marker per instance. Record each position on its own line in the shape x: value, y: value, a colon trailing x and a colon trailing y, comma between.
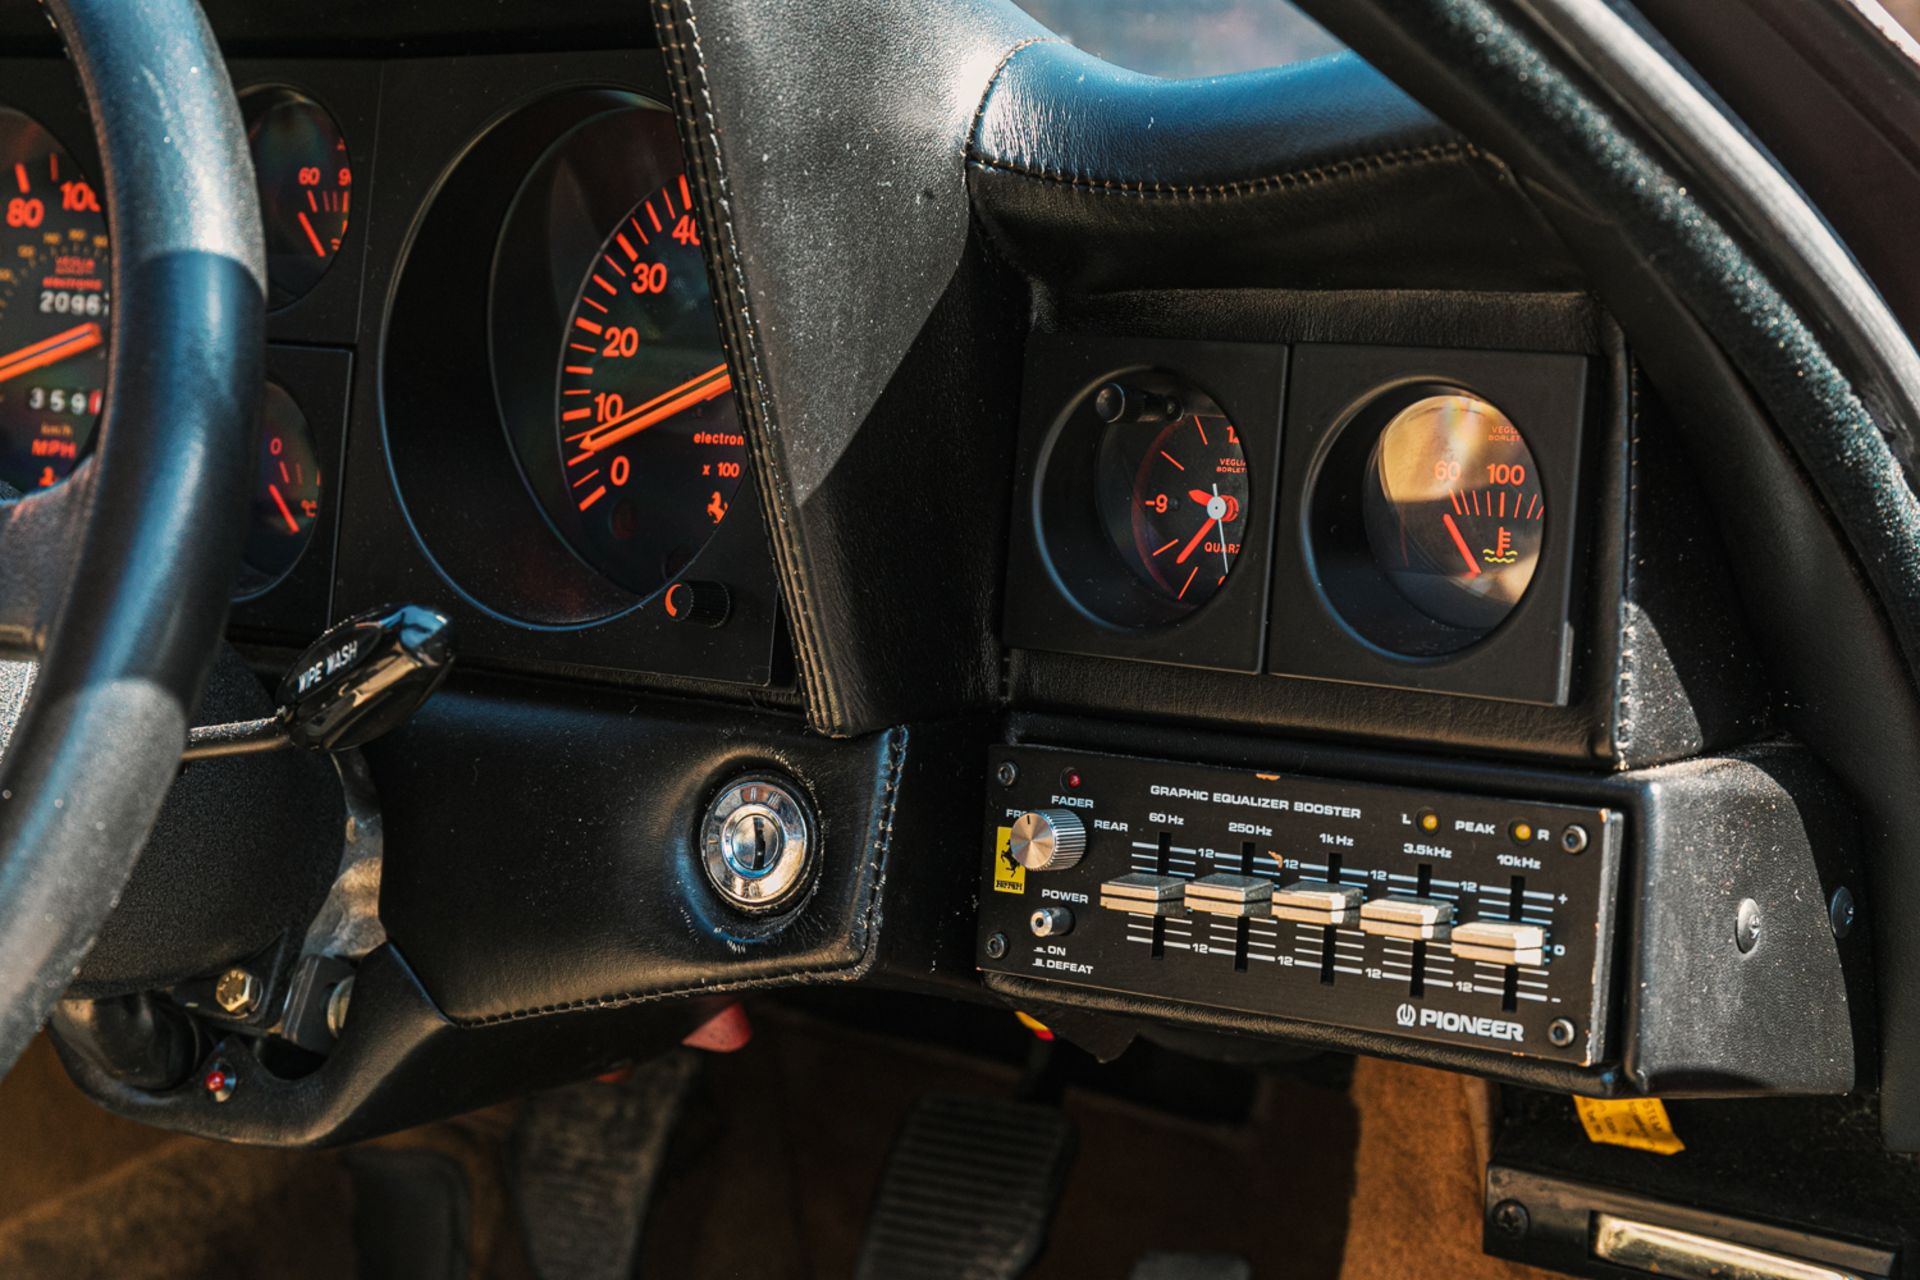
x: 1333, y: 171
x: 867, y: 914
x: 993, y: 80
x: 685, y: 57
x: 1623, y: 670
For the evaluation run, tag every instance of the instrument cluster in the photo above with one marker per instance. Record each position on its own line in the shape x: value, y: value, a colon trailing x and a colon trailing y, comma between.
x: 546, y: 441
x: 1401, y: 517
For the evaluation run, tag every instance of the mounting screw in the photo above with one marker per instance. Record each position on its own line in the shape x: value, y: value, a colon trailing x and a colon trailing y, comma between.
x: 1746, y: 926
x: 1841, y: 912
x: 1560, y: 1032
x: 237, y: 992
x: 1574, y: 839
x: 996, y: 946
x: 1008, y: 773
x: 1509, y: 1218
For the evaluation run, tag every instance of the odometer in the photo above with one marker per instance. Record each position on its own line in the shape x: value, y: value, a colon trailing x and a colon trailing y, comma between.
x: 645, y: 421
x: 53, y: 306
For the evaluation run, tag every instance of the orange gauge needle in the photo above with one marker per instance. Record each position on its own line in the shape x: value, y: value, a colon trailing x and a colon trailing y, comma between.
x: 1200, y: 496
x: 710, y: 385
x: 293, y: 526
x: 1188, y: 549
x: 38, y: 355
x: 319, y: 250
x: 1473, y: 570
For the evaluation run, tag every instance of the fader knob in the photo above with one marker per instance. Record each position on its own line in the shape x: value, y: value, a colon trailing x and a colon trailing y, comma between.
x: 1048, y: 839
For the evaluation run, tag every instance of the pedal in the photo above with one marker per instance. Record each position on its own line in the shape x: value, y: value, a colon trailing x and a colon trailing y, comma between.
x: 969, y: 1191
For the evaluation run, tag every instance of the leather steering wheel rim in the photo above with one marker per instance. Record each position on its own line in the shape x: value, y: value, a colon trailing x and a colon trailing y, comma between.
x: 118, y: 580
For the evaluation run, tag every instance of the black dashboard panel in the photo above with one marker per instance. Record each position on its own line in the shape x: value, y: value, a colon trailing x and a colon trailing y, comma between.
x: 1691, y: 680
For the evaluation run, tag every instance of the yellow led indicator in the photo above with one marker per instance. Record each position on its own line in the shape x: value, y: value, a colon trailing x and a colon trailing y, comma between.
x: 1522, y: 832
x: 1008, y: 875
x: 1429, y: 820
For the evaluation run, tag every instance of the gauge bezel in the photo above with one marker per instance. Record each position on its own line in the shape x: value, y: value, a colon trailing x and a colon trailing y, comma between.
x: 1067, y: 589
x: 1353, y: 625
x: 469, y: 538
x: 256, y: 101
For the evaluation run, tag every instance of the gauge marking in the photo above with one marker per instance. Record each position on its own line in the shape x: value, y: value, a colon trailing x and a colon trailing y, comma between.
x: 650, y: 451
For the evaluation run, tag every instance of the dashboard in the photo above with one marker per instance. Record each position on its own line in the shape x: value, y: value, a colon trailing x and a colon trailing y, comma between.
x: 1237, y: 569
x: 556, y: 416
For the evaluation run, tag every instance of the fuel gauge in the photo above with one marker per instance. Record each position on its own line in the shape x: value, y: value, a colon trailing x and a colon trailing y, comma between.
x: 286, y: 495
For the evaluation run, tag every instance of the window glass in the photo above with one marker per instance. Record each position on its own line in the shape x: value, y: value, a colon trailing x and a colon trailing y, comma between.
x: 1185, y: 38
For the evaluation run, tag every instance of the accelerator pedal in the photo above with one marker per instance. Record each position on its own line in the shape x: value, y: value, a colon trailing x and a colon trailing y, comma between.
x: 968, y: 1192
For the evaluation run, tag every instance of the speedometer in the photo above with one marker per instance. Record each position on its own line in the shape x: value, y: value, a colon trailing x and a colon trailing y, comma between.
x: 53, y: 306
x: 646, y: 424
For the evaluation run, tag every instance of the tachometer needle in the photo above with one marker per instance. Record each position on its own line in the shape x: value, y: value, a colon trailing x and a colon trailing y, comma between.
x: 293, y: 526
x: 1473, y: 570
x: 38, y: 355
x: 710, y: 385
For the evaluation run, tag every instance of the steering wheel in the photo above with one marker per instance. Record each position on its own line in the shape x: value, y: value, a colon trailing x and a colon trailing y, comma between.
x: 117, y: 581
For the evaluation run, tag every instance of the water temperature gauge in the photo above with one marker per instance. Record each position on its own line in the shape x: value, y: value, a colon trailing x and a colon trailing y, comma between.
x: 1453, y: 510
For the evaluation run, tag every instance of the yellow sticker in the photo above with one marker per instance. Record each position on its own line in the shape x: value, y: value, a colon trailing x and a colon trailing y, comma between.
x: 1640, y: 1123
x: 1008, y: 875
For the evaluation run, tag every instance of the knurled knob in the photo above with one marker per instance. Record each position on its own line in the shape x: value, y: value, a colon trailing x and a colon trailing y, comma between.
x: 1048, y: 839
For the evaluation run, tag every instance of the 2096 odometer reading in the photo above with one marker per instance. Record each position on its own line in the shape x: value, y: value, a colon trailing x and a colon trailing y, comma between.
x: 648, y: 430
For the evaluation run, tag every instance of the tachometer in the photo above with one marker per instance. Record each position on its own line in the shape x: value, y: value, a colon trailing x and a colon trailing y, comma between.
x: 53, y: 306
x: 646, y: 425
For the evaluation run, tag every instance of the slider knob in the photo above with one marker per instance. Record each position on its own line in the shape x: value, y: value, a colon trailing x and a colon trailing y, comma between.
x: 1048, y: 839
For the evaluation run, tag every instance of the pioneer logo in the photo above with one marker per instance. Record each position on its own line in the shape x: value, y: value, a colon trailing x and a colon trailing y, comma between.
x: 1458, y: 1023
